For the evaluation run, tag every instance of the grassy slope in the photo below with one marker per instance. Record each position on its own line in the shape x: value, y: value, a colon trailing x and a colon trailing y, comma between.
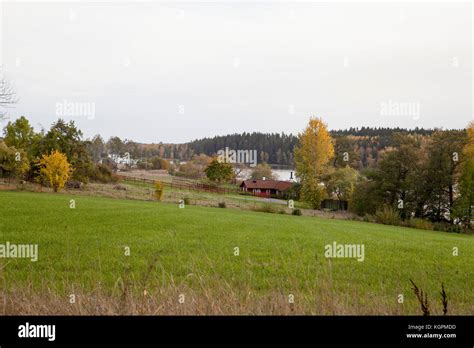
x: 84, y: 246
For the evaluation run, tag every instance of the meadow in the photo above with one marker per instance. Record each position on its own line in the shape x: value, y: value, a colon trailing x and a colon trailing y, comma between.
x: 118, y: 256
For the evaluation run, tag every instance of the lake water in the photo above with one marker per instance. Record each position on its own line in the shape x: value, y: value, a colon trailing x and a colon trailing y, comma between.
x: 280, y: 174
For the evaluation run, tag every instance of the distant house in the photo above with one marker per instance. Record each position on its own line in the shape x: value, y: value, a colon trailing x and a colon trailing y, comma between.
x: 265, y: 188
x: 121, y: 161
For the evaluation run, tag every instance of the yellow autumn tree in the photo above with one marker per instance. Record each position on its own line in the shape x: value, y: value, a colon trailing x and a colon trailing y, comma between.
x: 158, y: 190
x: 56, y: 169
x: 312, y: 155
x: 13, y: 162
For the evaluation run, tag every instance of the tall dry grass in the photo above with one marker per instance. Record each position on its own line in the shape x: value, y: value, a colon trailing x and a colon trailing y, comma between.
x: 152, y: 290
x: 155, y: 292
x: 165, y: 301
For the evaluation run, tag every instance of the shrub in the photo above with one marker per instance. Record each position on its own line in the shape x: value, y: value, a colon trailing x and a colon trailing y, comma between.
x: 313, y: 193
x: 13, y: 162
x: 56, y: 169
x: 83, y: 171
x: 157, y: 162
x: 294, y: 192
x: 368, y: 218
x: 265, y: 208
x: 296, y: 212
x: 447, y: 227
x: 144, y: 165
x: 20, y: 185
x: 110, y: 163
x: 74, y: 184
x: 364, y: 199
x: 158, y: 190
x: 420, y: 224
x: 103, y: 173
x: 354, y: 217
x: 187, y: 200
x: 222, y: 205
x: 387, y: 216
x: 455, y: 229
x: 268, y: 208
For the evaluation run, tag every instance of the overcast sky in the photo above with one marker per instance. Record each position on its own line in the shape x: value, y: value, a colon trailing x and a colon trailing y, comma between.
x: 168, y: 72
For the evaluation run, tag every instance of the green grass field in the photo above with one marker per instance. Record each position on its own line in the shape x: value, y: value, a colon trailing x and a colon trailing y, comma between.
x: 191, y: 251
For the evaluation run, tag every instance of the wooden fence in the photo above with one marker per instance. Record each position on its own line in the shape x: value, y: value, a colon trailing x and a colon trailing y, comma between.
x: 181, y: 184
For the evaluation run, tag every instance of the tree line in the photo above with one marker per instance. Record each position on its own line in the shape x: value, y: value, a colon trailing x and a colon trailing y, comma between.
x: 366, y: 144
x: 420, y: 175
x: 24, y: 154
x: 388, y: 174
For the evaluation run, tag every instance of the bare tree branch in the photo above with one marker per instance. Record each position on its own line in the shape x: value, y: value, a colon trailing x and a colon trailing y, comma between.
x: 7, y: 96
x: 7, y: 93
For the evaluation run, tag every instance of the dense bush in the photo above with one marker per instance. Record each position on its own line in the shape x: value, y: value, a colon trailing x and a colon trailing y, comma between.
x: 194, y: 169
x: 83, y: 171
x: 297, y: 212
x: 293, y: 192
x: 55, y: 169
x: 387, y: 216
x: 144, y: 165
x: 74, y: 184
x: 268, y: 208
x: 420, y: 224
x: 159, y: 163
x: 13, y: 162
x: 368, y: 218
x: 264, y: 208
x: 222, y: 205
x: 447, y: 227
x: 364, y: 199
x: 103, y: 173
x: 110, y: 163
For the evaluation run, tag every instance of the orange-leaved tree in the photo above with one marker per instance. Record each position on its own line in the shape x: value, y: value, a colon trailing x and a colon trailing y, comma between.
x: 56, y: 169
x: 312, y: 156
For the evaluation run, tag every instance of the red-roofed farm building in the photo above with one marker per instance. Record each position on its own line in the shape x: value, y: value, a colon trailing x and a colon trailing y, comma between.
x: 265, y: 188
